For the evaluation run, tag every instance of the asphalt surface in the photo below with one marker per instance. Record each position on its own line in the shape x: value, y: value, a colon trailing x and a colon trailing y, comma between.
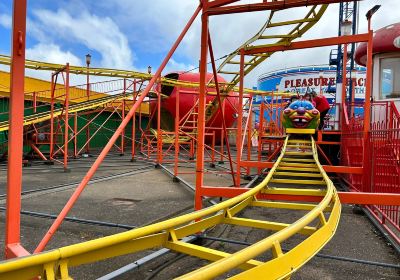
x: 149, y: 195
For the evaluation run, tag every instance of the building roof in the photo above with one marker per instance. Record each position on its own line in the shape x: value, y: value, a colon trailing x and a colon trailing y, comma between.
x: 386, y: 39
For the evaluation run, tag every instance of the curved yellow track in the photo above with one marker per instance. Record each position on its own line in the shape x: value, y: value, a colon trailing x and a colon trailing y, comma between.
x: 230, y: 67
x: 318, y: 225
x: 107, y: 72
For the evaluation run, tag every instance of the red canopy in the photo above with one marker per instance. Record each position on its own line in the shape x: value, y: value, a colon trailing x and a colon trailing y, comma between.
x: 386, y: 39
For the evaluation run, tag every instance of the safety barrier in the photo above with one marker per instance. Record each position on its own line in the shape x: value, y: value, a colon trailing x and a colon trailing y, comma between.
x: 383, y: 147
x: 318, y: 224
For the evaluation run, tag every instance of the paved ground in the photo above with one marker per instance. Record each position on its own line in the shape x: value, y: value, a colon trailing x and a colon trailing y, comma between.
x: 149, y: 195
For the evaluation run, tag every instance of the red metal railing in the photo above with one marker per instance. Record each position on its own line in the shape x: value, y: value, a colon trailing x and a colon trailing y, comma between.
x: 383, y: 167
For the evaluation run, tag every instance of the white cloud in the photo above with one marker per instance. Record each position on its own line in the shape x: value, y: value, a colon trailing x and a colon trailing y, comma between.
x: 97, y: 33
x: 174, y: 65
x: 161, y: 21
x: 5, y: 20
x: 52, y: 53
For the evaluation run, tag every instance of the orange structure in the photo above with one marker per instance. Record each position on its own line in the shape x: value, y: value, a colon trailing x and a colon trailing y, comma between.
x: 192, y: 129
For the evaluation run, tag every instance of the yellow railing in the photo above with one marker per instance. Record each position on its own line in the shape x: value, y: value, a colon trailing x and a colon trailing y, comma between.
x: 44, y: 116
x: 106, y: 72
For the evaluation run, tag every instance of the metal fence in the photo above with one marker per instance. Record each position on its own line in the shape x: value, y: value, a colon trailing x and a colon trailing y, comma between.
x: 382, y: 169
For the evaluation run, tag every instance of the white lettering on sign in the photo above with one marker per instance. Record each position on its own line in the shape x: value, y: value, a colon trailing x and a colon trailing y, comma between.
x: 320, y: 82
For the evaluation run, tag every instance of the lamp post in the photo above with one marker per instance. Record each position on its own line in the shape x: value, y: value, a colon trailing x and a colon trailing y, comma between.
x: 149, y: 69
x: 88, y: 60
x: 367, y: 103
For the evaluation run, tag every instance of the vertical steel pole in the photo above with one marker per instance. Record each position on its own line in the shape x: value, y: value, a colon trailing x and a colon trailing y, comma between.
x: 344, y: 85
x: 159, y: 133
x: 240, y: 120
x: 87, y: 116
x: 176, y: 134
x: 367, y: 110
x: 260, y: 131
x: 16, y: 119
x: 66, y: 128
x: 123, y: 117
x: 34, y: 101
x: 221, y: 110
x: 133, y: 121
x: 75, y: 134
x: 202, y: 106
x: 249, y: 132
x: 53, y: 86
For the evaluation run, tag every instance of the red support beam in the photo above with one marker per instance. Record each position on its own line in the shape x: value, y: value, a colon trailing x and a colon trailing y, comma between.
x: 15, y: 140
x: 201, y: 112
x: 66, y: 119
x: 369, y: 198
x: 343, y: 169
x: 345, y: 197
x: 239, y: 131
x: 221, y: 109
x: 74, y: 197
x: 316, y: 43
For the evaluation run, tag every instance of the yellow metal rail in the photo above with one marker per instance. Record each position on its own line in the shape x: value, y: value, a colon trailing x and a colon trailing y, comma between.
x: 90, y: 104
x: 107, y: 72
x: 318, y: 224
x: 230, y: 67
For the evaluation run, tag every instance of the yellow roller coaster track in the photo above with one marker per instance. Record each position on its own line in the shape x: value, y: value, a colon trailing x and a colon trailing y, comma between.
x: 230, y: 67
x: 106, y: 72
x: 318, y: 225
x: 82, y: 106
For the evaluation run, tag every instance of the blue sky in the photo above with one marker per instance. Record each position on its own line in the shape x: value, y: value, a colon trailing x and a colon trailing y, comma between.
x: 129, y: 34
x: 116, y: 33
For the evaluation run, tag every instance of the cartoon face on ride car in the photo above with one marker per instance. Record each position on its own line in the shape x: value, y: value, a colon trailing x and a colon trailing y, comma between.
x: 300, y: 114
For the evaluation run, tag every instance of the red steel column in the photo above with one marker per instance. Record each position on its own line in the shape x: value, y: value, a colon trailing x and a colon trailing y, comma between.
x: 240, y: 120
x: 87, y: 116
x: 159, y: 135
x: 53, y: 87
x: 221, y: 110
x: 34, y: 101
x: 123, y: 117
x: 202, y: 106
x: 344, y: 85
x: 75, y: 134
x: 66, y: 128
x: 16, y: 119
x: 133, y: 122
x: 176, y: 159
x: 367, y: 111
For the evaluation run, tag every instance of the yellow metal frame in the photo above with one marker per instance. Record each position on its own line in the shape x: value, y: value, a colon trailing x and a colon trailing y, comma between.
x: 55, y: 264
x: 106, y: 72
x: 300, y: 27
x: 44, y: 116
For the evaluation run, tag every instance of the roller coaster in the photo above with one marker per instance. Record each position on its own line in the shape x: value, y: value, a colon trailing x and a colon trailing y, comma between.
x: 295, y: 179
x: 293, y: 168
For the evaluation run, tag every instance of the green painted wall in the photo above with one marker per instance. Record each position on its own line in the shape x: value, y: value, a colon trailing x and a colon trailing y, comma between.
x: 108, y: 123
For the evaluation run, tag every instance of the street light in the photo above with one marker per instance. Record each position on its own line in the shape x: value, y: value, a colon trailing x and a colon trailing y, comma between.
x: 372, y: 11
x: 346, y: 27
x: 149, y: 69
x: 88, y: 60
